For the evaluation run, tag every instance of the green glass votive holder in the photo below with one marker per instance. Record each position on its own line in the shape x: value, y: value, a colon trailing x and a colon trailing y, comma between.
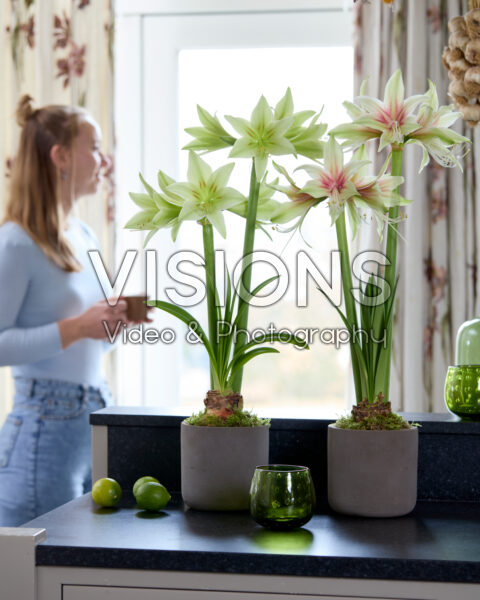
x: 282, y: 496
x: 462, y: 391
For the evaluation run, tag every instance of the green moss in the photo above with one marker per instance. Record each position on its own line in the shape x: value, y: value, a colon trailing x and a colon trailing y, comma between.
x: 378, y: 422
x: 240, y: 418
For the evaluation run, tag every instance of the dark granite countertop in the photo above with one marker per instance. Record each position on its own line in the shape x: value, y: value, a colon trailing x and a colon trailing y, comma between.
x: 161, y: 416
x: 439, y: 541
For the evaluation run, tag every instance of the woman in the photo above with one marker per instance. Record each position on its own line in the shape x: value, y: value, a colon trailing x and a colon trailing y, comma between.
x: 52, y: 316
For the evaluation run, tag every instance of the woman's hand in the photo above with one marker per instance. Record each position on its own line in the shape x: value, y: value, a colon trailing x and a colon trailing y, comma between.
x: 100, y: 322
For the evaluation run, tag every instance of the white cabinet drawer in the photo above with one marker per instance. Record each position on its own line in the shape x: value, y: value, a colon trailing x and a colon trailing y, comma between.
x: 90, y: 592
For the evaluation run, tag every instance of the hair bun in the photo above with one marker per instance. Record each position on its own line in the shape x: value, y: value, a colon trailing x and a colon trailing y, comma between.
x: 24, y: 109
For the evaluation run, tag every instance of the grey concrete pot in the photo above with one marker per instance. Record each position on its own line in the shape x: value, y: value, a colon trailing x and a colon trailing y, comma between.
x: 372, y: 473
x: 217, y: 464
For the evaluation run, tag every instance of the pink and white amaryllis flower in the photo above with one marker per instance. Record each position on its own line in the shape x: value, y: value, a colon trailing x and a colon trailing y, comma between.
x: 391, y: 120
x: 299, y: 202
x: 346, y: 186
x: 434, y: 134
x: 334, y: 179
x: 376, y: 194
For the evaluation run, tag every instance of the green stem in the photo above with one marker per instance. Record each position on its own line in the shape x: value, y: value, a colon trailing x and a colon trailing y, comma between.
x: 209, y: 255
x: 350, y: 309
x: 391, y: 268
x: 248, y: 243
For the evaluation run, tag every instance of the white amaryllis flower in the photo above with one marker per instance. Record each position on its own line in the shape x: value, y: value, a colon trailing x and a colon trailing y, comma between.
x: 210, y: 136
x: 262, y: 136
x: 157, y: 212
x: 306, y: 139
x: 206, y: 195
x: 266, y: 205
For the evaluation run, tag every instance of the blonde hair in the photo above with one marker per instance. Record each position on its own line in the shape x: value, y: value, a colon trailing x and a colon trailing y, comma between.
x: 34, y: 200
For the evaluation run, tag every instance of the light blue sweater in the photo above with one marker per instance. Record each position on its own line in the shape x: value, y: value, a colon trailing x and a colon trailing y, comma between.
x: 34, y: 295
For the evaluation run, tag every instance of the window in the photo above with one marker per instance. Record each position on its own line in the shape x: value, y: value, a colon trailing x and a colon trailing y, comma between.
x: 224, y: 60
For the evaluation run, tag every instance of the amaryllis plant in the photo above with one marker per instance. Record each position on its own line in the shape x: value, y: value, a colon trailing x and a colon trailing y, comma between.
x: 345, y: 186
x: 204, y: 198
x: 394, y: 123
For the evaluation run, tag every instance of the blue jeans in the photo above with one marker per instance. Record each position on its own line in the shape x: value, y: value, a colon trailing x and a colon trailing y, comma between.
x: 45, y: 447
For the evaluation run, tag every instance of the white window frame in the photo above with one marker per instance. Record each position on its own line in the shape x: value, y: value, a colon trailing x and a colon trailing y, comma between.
x: 149, y: 36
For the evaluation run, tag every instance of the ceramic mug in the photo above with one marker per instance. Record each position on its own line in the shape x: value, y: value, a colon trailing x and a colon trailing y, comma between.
x: 136, y: 308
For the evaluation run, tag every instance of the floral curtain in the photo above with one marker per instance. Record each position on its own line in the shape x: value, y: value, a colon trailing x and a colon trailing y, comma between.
x: 439, y: 257
x: 59, y: 52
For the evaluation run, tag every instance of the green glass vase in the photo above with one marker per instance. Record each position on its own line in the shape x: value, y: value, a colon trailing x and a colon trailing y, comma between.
x: 282, y: 496
x: 462, y: 391
x: 462, y: 385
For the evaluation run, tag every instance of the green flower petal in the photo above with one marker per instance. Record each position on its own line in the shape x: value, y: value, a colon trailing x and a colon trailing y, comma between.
x: 280, y: 145
x: 208, y: 142
x: 163, y: 218
x: 241, y: 125
x: 220, y: 177
x: 211, y: 123
x: 191, y: 212
x: 394, y: 92
x: 447, y: 116
x: 239, y: 209
x: 410, y: 126
x: 333, y: 156
x: 262, y: 114
x: 242, y: 148
x: 300, y: 117
x: 267, y: 209
x: 312, y: 170
x: 175, y: 229
x: 412, y: 102
x: 164, y: 180
x: 432, y: 95
x: 184, y: 191
x: 388, y: 138
x: 260, y: 166
x: 149, y: 237
x: 142, y: 220
x: 229, y: 199
x: 198, y: 169
x: 368, y: 104
x: 151, y: 192
x: 335, y: 208
x: 284, y: 107
x: 289, y: 211
x: 314, y: 189
x: 283, y: 172
x: 354, y: 112
x: 353, y: 218
x: 279, y: 128
x: 217, y: 220
x: 212, y: 136
x: 355, y: 166
x: 143, y: 200
x: 355, y: 133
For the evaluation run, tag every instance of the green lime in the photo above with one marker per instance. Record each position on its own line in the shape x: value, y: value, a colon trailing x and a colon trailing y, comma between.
x: 141, y: 481
x: 152, y: 496
x: 106, y: 492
